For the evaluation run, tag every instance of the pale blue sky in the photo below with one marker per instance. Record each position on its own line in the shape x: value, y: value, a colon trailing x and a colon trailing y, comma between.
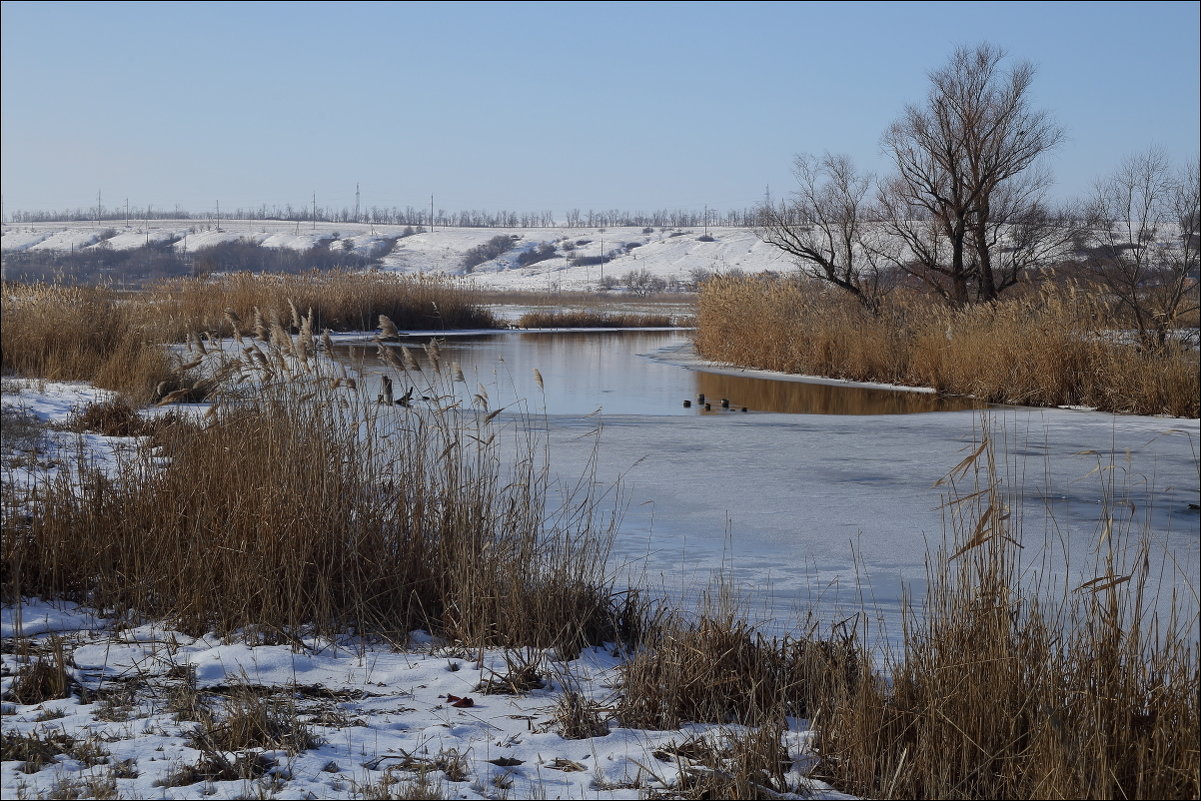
x: 633, y: 106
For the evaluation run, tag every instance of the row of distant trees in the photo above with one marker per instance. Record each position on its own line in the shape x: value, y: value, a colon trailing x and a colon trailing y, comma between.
x: 473, y: 218
x: 965, y: 210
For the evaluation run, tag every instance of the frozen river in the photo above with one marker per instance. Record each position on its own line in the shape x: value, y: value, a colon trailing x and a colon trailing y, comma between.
x: 820, y: 495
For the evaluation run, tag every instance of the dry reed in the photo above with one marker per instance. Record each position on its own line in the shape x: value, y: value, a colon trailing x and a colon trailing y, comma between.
x: 341, y: 301
x: 593, y: 319
x: 304, y: 504
x: 1053, y: 347
x: 74, y: 333
x: 1007, y: 689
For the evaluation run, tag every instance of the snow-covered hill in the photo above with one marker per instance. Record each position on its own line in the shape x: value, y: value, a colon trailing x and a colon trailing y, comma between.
x: 672, y: 255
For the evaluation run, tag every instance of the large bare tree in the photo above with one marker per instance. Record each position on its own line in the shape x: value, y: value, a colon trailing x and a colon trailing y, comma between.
x: 824, y: 224
x: 1146, y: 222
x: 966, y: 165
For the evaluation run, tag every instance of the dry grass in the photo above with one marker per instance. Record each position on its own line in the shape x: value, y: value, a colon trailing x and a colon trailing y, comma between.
x: 560, y: 300
x: 1053, y: 347
x: 746, y: 764
x: 593, y: 319
x: 308, y: 504
x: 1004, y: 689
x: 73, y: 333
x: 719, y: 669
x: 113, y: 340
x: 251, y: 720
x: 340, y: 301
x: 44, y: 677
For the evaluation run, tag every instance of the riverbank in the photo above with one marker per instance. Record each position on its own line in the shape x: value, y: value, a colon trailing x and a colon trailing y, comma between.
x: 1057, y: 346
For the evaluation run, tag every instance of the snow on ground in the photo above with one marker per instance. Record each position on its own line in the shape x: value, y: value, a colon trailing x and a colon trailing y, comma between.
x: 46, y: 454
x: 70, y: 239
x: 17, y: 239
x: 135, y: 238
x: 377, y: 713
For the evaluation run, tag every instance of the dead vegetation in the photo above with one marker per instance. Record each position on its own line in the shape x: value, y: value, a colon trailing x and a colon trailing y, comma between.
x: 594, y: 319
x: 1056, y: 346
x: 275, y: 514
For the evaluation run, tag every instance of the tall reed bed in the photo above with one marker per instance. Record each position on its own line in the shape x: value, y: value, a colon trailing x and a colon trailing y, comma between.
x: 1006, y: 688
x: 1053, y: 347
x: 341, y: 301
x: 114, y: 339
x: 593, y: 319
x: 85, y: 334
x: 302, y: 504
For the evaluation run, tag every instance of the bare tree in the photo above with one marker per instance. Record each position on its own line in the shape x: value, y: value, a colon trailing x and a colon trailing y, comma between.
x: 824, y: 225
x: 1145, y: 218
x: 964, y: 163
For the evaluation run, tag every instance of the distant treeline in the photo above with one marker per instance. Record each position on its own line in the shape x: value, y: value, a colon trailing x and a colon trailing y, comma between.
x: 158, y: 261
x: 475, y: 218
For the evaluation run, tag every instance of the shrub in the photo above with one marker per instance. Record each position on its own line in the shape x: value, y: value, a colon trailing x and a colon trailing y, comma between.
x: 642, y: 282
x: 536, y: 254
x: 479, y: 254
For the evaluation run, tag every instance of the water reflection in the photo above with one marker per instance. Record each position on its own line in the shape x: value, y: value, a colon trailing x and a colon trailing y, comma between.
x: 801, y: 397
x: 586, y: 371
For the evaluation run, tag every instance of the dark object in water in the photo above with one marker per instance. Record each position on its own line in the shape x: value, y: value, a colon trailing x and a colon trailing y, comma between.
x: 708, y: 407
x: 700, y: 398
x: 725, y: 403
x: 687, y: 404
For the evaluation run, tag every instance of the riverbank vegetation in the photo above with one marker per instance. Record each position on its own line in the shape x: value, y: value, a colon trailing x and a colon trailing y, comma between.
x: 1058, y: 345
x: 298, y: 504
x: 594, y: 319
x: 113, y: 339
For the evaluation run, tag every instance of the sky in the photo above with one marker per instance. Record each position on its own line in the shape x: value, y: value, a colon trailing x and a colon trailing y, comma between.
x: 541, y: 106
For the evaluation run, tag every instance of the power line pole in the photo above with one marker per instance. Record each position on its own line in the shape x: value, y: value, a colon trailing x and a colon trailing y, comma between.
x: 356, y: 202
x: 98, y: 208
x: 126, y: 212
x: 431, y: 212
x: 314, y: 210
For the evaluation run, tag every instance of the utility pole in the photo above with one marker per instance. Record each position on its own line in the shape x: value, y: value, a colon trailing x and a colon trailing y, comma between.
x: 98, y: 207
x: 356, y: 202
x: 218, y: 216
x: 706, y: 219
x: 431, y: 212
x: 126, y: 212
x: 314, y: 210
